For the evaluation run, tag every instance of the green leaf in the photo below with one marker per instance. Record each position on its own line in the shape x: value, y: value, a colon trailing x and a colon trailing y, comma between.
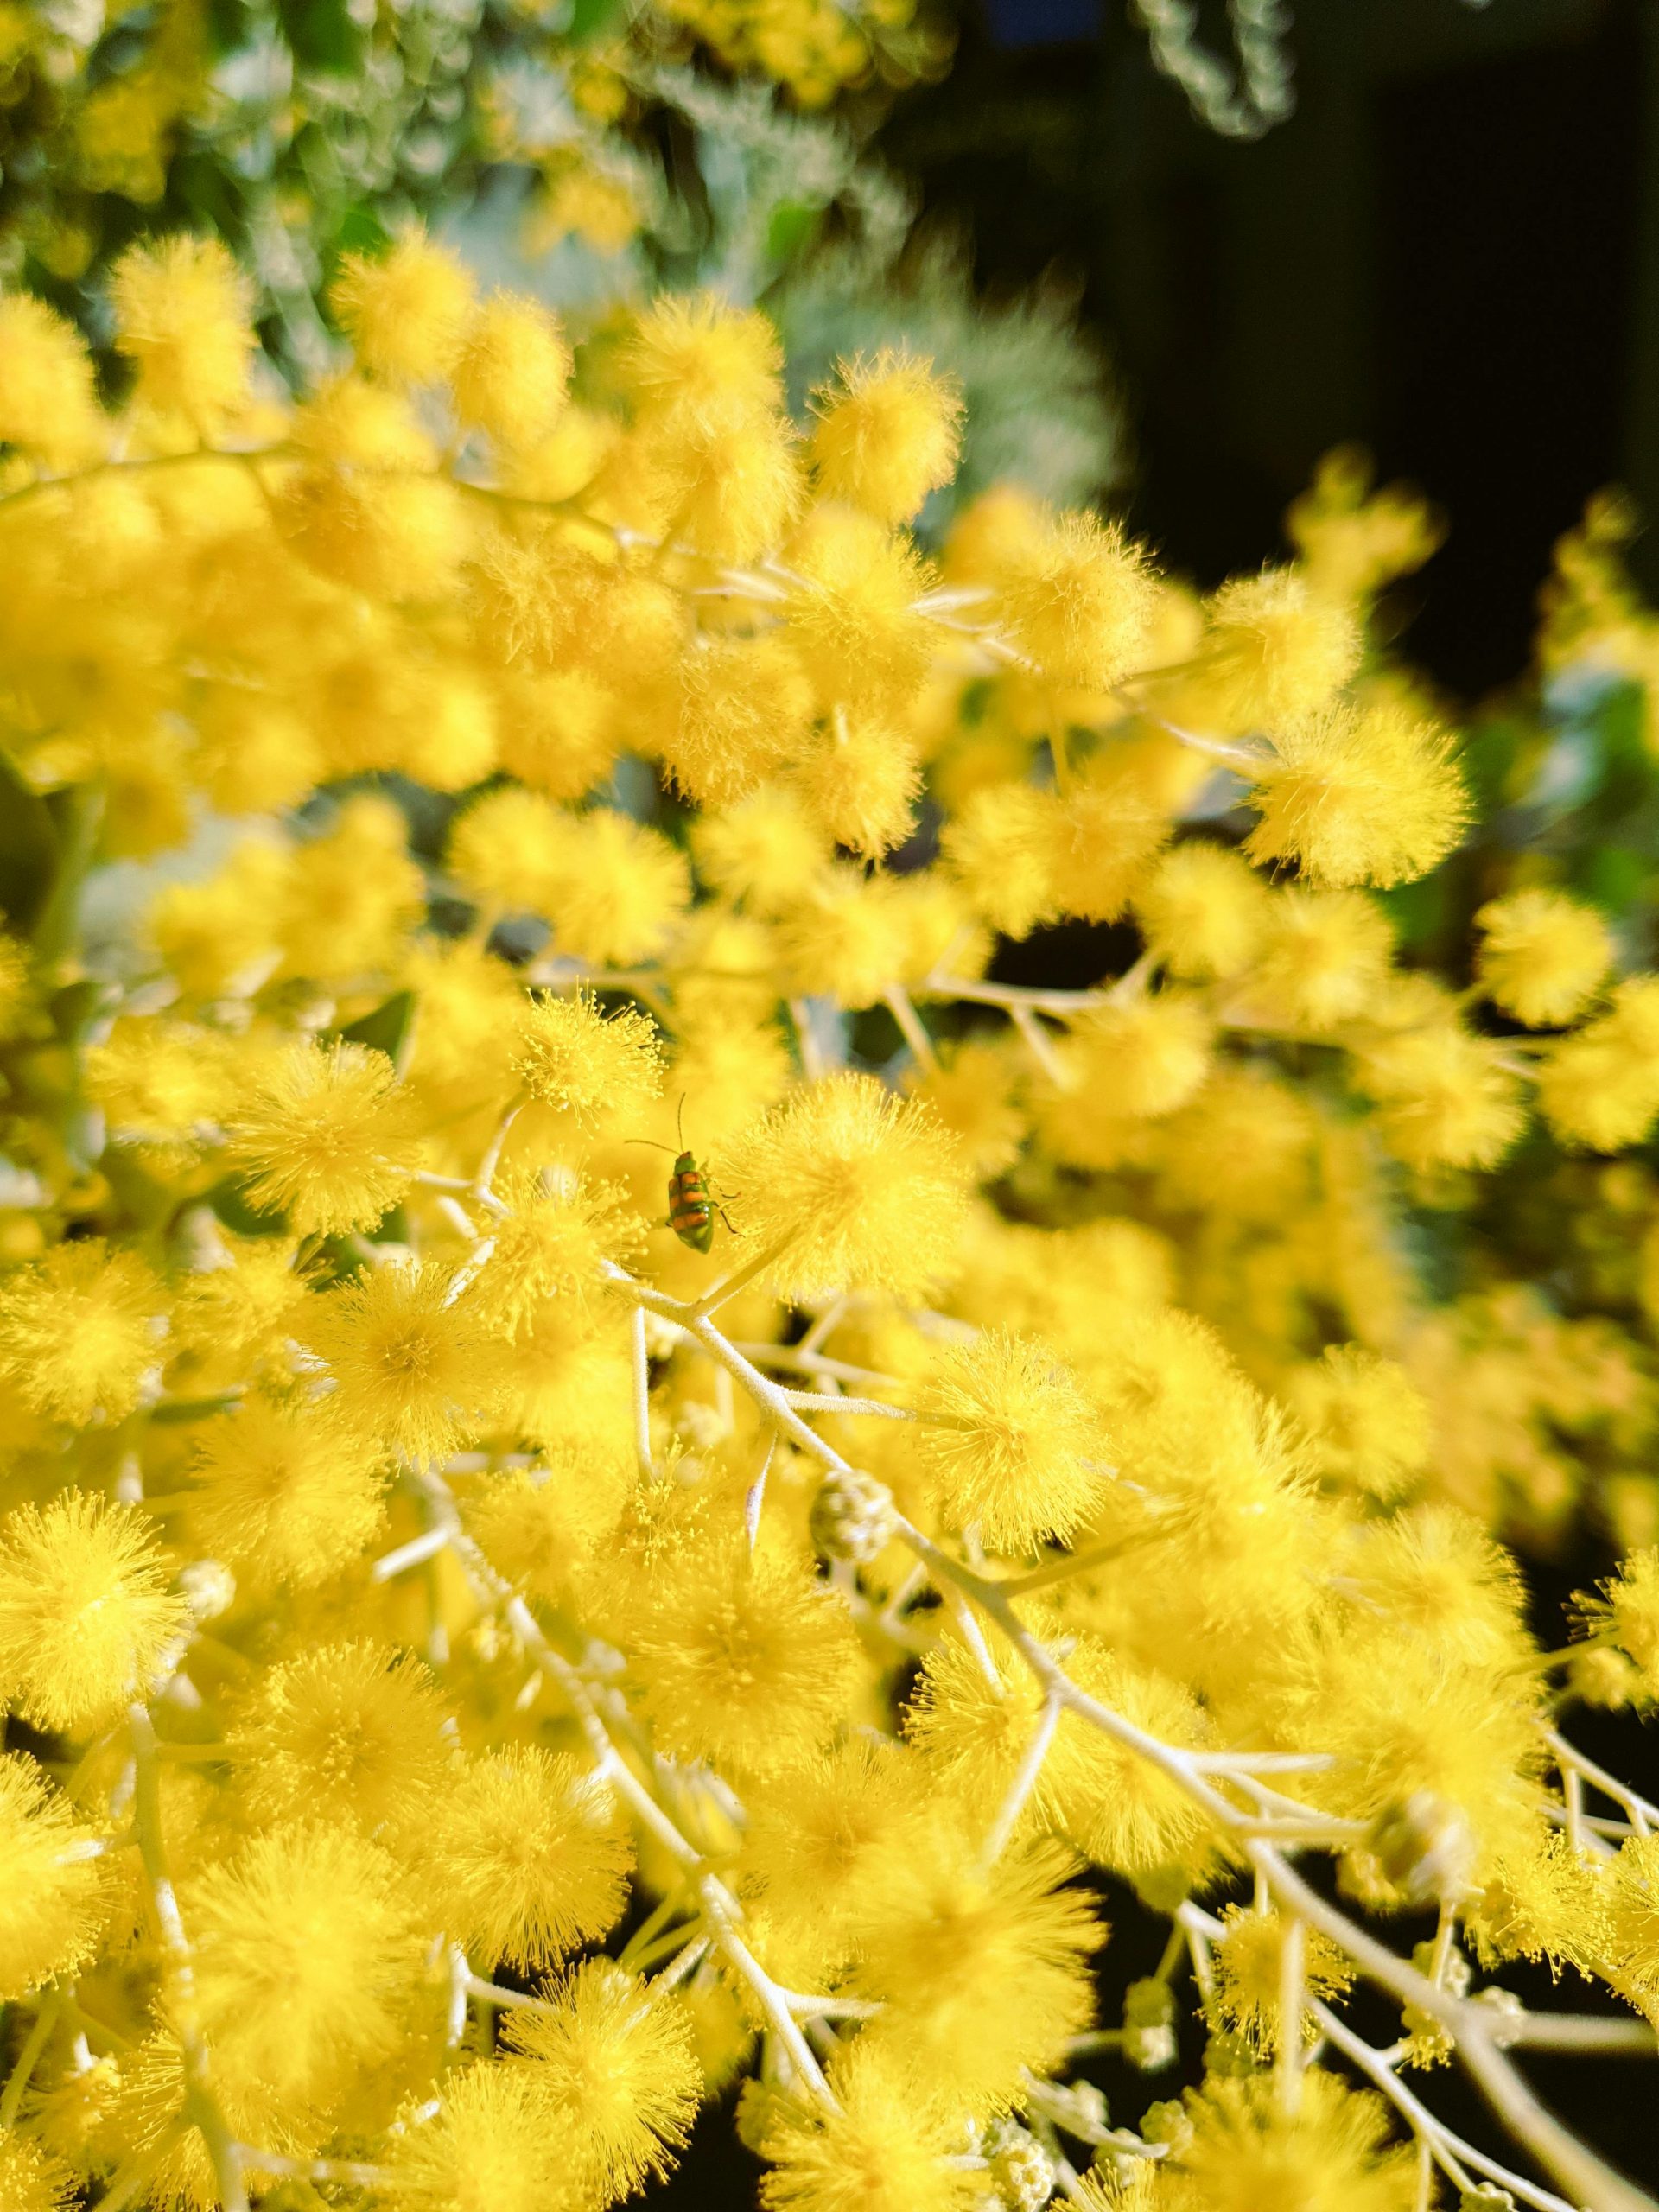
x: 792, y: 226
x: 28, y: 849
x: 590, y: 19
x: 230, y: 1201
x: 322, y: 34
x: 390, y: 1028
x: 1613, y: 876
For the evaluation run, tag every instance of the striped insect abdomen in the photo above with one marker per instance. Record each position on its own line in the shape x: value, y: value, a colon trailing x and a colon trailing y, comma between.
x: 689, y: 1214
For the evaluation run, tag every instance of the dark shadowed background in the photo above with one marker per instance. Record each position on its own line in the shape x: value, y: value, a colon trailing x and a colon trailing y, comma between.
x: 1450, y: 252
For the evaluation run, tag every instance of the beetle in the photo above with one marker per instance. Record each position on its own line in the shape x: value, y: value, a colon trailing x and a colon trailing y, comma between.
x: 691, y: 1210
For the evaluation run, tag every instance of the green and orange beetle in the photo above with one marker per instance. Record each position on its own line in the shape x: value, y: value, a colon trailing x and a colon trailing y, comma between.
x: 691, y: 1209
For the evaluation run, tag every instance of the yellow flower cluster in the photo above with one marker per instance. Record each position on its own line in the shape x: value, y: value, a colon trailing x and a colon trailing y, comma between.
x: 505, y: 1632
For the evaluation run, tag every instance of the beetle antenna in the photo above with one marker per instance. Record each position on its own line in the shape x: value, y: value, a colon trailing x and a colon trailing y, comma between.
x: 651, y: 1142
x: 679, y: 1120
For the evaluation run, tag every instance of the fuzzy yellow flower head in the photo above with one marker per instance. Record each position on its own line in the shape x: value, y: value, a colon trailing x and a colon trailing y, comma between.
x: 1368, y: 1425
x: 1203, y: 910
x: 56, y: 1892
x: 692, y: 361
x: 284, y: 1492
x: 1276, y: 649
x: 181, y: 313
x: 533, y: 1852
x: 1445, y: 1098
x: 310, y: 1952
x: 350, y: 1734
x: 1011, y: 1446
x: 79, y: 1331
x: 855, y: 1188
x: 981, y: 1974
x: 84, y: 1609
x: 1240, y: 2154
x: 514, y: 370
x: 1249, y: 1960
x: 31, y: 2179
x: 1146, y: 1054
x: 1542, y: 956
x: 47, y: 405
x: 745, y: 1664
x: 406, y: 312
x: 1078, y: 601
x: 328, y: 1138
x: 598, y: 1070
x: 618, y: 2065
x: 412, y: 1364
x: 1359, y: 795
x: 886, y: 2147
x: 494, y: 2144
x: 886, y: 435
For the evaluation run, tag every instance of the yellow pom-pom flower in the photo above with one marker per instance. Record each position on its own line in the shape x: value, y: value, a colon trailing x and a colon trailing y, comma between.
x: 1542, y: 956
x: 493, y: 2144
x: 887, y: 433
x: 310, y: 1961
x: 980, y: 1975
x: 1240, y: 2152
x: 886, y: 2146
x: 1443, y: 1099
x: 412, y: 1364
x: 571, y: 1058
x: 1368, y: 1424
x: 182, y: 315
x: 353, y: 1734
x: 31, y: 2179
x: 1599, y: 1089
x: 745, y: 1664
x: 283, y: 1492
x: 56, y: 1894
x: 1077, y: 603
x: 326, y: 1137
x: 1248, y: 1962
x: 1359, y: 795
x: 853, y: 1186
x: 1010, y: 1445
x: 84, y: 1609
x: 618, y: 2064
x: 406, y: 314
x: 1202, y: 911
x: 79, y: 1330
x: 513, y: 371
x: 1276, y: 649
x: 47, y: 410
x: 532, y: 1850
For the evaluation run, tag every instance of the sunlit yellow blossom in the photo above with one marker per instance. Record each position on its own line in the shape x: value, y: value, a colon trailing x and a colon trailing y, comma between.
x: 409, y: 1362
x: 56, y: 1893
x: 78, y: 1331
x: 283, y: 1491
x: 1011, y: 1445
x: 572, y: 1058
x: 1276, y: 651
x: 1542, y: 956
x: 84, y: 1609
x: 885, y: 435
x: 406, y: 312
x: 1241, y: 2152
x: 182, y: 310
x: 617, y: 2062
x: 851, y: 1186
x: 328, y: 1138
x: 532, y: 1850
